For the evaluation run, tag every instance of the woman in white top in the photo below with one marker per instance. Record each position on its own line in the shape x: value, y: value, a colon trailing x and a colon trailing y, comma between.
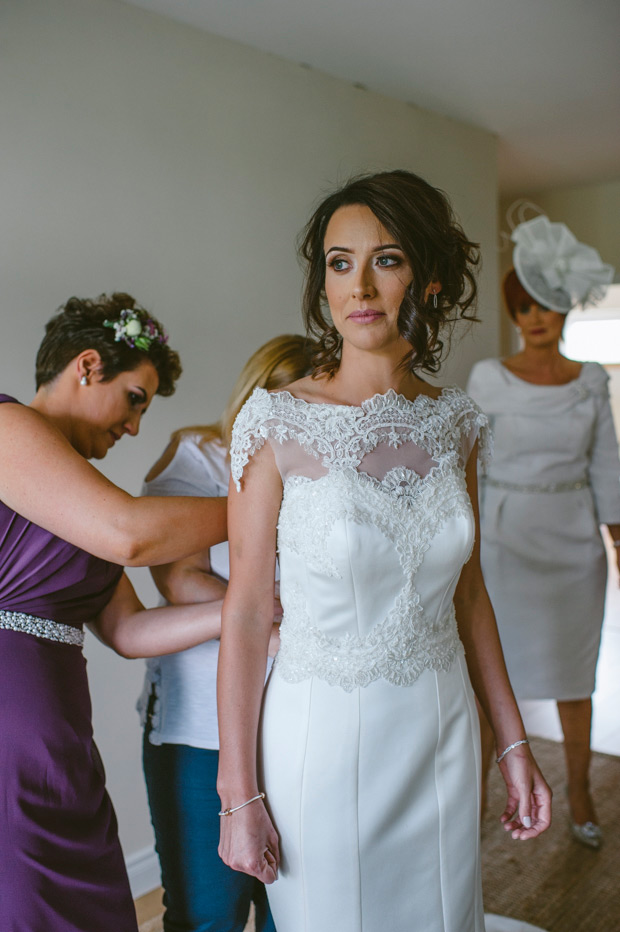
x: 179, y: 700
x: 553, y: 479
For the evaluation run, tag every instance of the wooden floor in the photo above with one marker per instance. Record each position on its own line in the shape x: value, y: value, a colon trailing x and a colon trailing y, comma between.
x: 149, y: 906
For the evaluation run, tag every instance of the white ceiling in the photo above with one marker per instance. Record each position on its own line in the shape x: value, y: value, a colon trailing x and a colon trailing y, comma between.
x: 542, y: 74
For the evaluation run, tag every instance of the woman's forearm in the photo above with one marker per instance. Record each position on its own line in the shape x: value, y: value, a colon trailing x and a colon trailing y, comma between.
x: 182, y: 583
x: 486, y: 665
x: 155, y: 631
x: 240, y: 682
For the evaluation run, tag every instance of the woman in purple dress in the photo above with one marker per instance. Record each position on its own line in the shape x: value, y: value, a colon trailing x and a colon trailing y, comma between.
x: 64, y: 530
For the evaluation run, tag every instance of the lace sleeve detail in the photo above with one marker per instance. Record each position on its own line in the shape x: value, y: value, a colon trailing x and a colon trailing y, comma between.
x: 250, y: 430
x: 474, y: 425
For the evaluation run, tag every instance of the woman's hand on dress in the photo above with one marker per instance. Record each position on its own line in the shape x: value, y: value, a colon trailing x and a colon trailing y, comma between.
x: 249, y: 842
x: 528, y: 807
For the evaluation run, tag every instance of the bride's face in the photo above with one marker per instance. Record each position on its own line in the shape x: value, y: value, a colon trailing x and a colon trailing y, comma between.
x: 366, y: 278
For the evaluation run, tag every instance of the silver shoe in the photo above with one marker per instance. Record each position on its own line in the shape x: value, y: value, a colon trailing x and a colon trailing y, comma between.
x: 588, y: 834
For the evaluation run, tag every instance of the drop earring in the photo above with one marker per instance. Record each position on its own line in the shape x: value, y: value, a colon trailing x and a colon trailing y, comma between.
x: 83, y: 380
x: 435, y: 300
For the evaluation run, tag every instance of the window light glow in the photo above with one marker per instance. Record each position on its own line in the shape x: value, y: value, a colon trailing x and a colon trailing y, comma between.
x: 593, y: 334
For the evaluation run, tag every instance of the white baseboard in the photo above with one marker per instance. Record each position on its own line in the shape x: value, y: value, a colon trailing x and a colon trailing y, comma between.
x: 143, y: 869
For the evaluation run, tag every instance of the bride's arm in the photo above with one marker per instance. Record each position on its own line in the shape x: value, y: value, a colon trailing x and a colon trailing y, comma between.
x: 529, y: 797
x: 248, y: 841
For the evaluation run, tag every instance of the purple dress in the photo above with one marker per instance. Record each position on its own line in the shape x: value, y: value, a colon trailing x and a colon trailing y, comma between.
x: 61, y: 865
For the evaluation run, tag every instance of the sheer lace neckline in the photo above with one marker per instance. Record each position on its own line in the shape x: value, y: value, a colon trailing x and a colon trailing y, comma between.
x: 378, y: 400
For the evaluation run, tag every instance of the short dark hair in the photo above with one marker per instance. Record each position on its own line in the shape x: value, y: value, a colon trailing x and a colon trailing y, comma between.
x: 78, y: 325
x: 421, y: 220
x: 515, y: 295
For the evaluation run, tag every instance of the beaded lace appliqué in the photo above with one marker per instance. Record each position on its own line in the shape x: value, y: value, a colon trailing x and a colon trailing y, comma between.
x: 408, y: 510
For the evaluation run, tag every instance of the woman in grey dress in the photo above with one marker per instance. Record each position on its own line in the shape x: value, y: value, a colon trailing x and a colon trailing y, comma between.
x: 553, y: 480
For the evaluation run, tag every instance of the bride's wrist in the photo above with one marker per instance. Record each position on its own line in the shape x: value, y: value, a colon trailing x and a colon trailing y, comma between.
x: 232, y: 793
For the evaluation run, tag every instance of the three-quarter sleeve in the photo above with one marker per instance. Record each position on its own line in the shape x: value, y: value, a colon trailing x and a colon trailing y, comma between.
x: 604, y: 466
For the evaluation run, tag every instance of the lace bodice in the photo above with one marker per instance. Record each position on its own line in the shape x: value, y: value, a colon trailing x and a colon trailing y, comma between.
x: 374, y: 527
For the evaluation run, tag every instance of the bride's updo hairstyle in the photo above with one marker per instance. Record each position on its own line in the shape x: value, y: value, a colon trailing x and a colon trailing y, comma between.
x: 422, y: 222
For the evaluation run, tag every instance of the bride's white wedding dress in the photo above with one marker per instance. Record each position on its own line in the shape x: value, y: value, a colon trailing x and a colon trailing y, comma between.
x: 369, y: 740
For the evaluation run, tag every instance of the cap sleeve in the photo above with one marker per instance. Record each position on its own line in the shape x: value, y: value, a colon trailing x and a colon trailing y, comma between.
x: 250, y: 430
x: 475, y: 426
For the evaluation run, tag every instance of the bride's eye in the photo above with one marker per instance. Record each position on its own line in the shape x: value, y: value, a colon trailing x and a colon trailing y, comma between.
x: 388, y: 261
x: 338, y: 265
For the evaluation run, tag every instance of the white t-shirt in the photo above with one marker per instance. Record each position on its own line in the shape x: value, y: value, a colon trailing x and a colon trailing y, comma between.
x: 185, y: 683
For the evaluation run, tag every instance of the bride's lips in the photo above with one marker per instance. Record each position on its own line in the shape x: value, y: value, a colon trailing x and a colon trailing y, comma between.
x: 365, y: 316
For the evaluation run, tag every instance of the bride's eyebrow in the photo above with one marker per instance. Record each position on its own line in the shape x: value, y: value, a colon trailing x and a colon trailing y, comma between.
x: 376, y: 249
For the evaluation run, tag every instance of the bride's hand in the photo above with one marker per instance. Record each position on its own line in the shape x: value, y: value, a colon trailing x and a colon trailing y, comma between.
x: 249, y: 842
x: 528, y: 807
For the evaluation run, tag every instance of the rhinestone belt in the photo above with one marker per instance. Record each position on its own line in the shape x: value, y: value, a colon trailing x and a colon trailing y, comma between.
x: 538, y: 487
x: 41, y: 628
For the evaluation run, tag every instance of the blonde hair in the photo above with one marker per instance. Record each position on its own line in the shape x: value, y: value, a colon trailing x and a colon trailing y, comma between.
x: 277, y: 363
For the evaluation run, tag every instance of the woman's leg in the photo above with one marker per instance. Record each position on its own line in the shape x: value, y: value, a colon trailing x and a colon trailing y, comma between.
x: 201, y: 894
x: 576, y: 719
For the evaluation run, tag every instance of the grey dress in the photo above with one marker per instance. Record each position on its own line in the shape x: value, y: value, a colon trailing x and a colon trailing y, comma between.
x: 554, y: 477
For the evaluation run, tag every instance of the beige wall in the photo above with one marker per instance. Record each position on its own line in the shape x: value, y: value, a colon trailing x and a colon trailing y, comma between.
x: 146, y: 156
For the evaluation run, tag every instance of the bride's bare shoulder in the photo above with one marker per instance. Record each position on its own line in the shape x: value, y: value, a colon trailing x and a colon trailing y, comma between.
x: 307, y: 389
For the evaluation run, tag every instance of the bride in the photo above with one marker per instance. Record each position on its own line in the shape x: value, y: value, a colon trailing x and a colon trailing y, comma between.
x: 354, y: 791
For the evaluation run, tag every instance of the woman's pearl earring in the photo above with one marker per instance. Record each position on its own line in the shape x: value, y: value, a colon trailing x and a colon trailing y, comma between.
x: 83, y: 380
x: 518, y: 329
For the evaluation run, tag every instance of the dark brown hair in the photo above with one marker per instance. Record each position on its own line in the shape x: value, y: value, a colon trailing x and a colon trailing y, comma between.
x: 79, y: 325
x: 515, y: 295
x: 422, y: 222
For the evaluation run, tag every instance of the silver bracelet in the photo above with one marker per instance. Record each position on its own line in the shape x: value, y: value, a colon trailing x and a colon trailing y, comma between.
x: 510, y: 747
x: 224, y: 812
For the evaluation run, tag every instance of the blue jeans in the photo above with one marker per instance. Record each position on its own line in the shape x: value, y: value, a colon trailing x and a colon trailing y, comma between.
x: 201, y: 894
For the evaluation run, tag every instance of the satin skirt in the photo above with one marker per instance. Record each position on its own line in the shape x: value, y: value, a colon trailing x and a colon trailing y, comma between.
x: 375, y: 796
x: 61, y: 865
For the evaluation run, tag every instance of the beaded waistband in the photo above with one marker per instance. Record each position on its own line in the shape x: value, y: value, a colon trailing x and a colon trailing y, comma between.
x: 41, y: 628
x: 538, y: 487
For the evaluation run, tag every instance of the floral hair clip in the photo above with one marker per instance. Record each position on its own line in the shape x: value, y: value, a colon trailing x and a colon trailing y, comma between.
x: 136, y: 329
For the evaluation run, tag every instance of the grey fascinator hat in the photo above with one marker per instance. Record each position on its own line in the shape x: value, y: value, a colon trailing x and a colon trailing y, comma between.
x: 556, y: 269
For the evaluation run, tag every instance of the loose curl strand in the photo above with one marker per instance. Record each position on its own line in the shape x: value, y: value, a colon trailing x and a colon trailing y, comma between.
x: 422, y: 222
